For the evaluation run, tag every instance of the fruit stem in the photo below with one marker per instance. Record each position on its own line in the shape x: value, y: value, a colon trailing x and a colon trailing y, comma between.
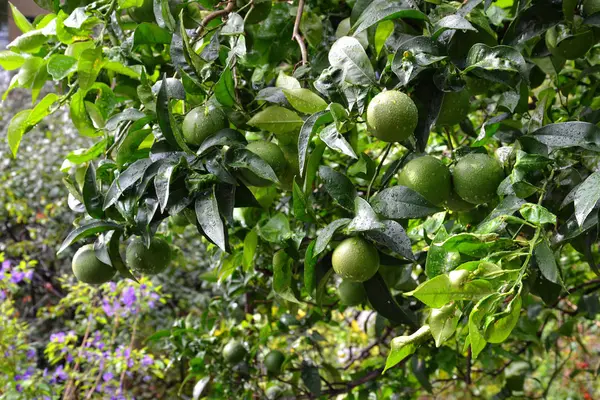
x: 385, y: 154
x: 449, y: 139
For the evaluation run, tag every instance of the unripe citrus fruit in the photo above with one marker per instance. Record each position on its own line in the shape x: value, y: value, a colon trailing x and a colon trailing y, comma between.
x: 455, y: 203
x: 273, y: 362
x: 392, y: 116
x: 272, y: 155
x: 149, y: 261
x: 572, y: 47
x: 429, y: 177
x: 88, y: 269
x: 343, y: 29
x: 198, y: 125
x: 352, y: 293
x: 234, y: 352
x: 455, y: 107
x: 355, y: 259
x: 591, y: 7
x: 476, y: 178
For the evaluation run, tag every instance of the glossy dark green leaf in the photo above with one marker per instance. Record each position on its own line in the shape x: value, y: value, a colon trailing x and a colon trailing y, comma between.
x: 414, y: 56
x: 127, y: 179
x: 569, y: 134
x: 312, y: 380
x: 500, y: 64
x: 145, y: 213
x: 130, y: 144
x: 454, y: 21
x: 400, y: 202
x: 365, y: 218
x: 92, y: 199
x: 282, y: 276
x: 207, y: 213
x: 299, y: 204
x: 111, y: 242
x: 87, y: 230
x: 384, y: 303
x: 547, y: 262
x: 533, y: 21
x: 129, y: 114
x: 310, y: 126
x: 324, y: 237
x: 225, y: 88
x: 348, y: 55
x: 310, y: 263
x: 170, y: 129
x: 242, y: 158
x: 394, y: 237
x: 225, y: 137
x: 383, y: 10
x: 338, y: 186
x: 335, y: 141
x: 162, y: 183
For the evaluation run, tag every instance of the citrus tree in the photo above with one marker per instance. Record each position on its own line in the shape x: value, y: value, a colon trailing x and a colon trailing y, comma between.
x: 433, y: 162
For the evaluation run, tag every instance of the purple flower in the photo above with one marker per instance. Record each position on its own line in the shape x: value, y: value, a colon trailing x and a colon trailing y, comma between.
x: 69, y: 358
x: 147, y: 378
x: 147, y: 361
x: 19, y: 388
x: 5, y: 265
x: 29, y: 274
x: 18, y: 377
x: 107, y: 307
x: 31, y: 354
x: 130, y: 363
x: 128, y: 296
x: 17, y: 277
x: 107, y: 376
x: 60, y: 374
x: 113, y: 286
x: 58, y: 337
x: 2, y: 295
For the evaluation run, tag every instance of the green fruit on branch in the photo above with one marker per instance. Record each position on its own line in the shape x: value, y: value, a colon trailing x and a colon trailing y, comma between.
x: 234, y: 352
x: 201, y: 123
x: 429, y: 177
x: 476, y: 178
x: 355, y: 259
x: 352, y: 293
x: 274, y: 361
x: 148, y: 260
x: 88, y: 268
x: 392, y: 116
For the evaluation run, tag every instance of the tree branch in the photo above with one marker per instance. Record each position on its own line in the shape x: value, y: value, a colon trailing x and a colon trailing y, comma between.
x: 296, y: 33
x: 215, y: 14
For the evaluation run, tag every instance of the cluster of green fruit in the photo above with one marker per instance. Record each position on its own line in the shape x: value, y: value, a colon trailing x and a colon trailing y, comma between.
x: 234, y: 352
x: 88, y: 268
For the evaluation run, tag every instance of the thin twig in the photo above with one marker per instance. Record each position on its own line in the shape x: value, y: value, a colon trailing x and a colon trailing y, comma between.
x: 215, y: 14
x: 468, y: 371
x: 385, y: 154
x: 296, y: 33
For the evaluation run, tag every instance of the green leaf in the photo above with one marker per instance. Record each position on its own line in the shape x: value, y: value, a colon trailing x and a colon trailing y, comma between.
x: 384, y: 303
x: 393, y: 236
x: 453, y: 21
x: 310, y: 126
x: 547, y: 262
x: 207, y: 213
x: 443, y: 322
x: 277, y: 120
x: 148, y: 33
x: 92, y: 199
x: 29, y: 42
x: 348, y: 55
x: 404, y: 346
x: 87, y: 230
x: 339, y: 187
x: 335, y: 141
x: 399, y: 202
x: 382, y: 33
x: 16, y: 129
x: 121, y: 69
x: 276, y: 230
x: 286, y: 82
x: 414, y: 56
x: 537, y: 214
x: 475, y: 245
x: 250, y: 246
x: 499, y: 330
x: 79, y: 115
x: 162, y: 183
x: 282, y: 276
x: 365, y: 218
x: 310, y: 263
x: 32, y: 75
x: 478, y: 313
x: 225, y: 88
x: 436, y: 292
x: 299, y: 203
x: 61, y: 66
x: 88, y: 67
x: 312, y: 380
x: 114, y: 238
x: 242, y: 158
x: 125, y: 180
x: 500, y: 64
x: 305, y: 101
x: 20, y: 20
x: 170, y: 128
x: 438, y: 259
x: 324, y: 237
x: 586, y: 197
x: 10, y: 60
x: 224, y: 137
x: 383, y: 10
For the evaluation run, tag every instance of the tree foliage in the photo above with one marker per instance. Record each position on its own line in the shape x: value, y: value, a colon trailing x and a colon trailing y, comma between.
x: 172, y: 93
